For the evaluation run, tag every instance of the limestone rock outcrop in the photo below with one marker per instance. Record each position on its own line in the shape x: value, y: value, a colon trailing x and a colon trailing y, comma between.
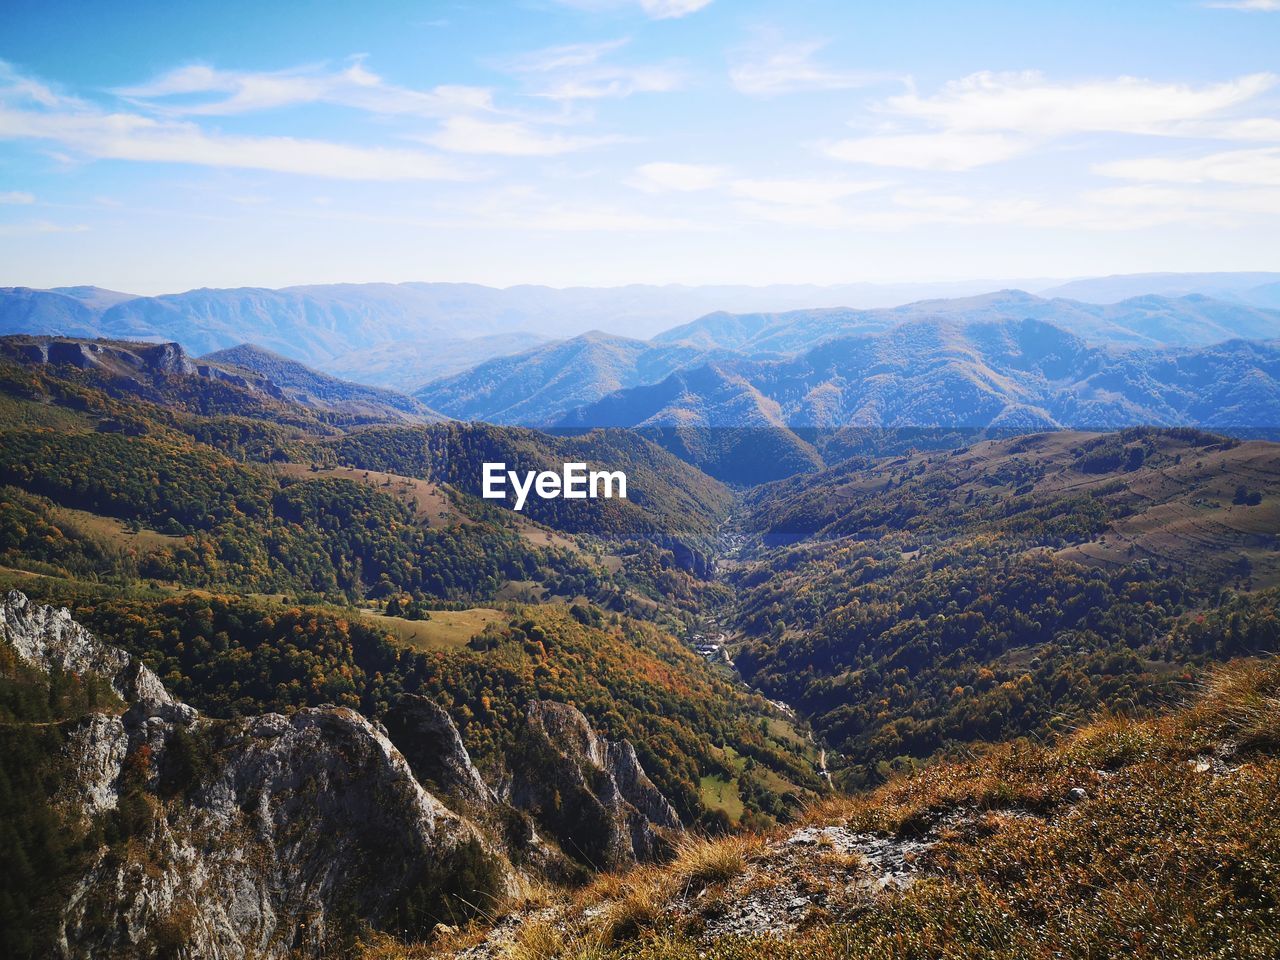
x: 591, y: 794
x: 255, y: 837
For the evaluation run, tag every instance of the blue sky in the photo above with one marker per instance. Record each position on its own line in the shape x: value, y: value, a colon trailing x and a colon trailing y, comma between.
x: 161, y: 146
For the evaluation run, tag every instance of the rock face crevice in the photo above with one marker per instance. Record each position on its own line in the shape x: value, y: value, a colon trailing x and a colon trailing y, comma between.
x: 590, y: 793
x: 275, y: 836
x: 427, y: 737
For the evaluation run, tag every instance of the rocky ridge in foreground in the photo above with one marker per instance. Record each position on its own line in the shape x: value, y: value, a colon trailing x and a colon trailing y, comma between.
x: 274, y: 835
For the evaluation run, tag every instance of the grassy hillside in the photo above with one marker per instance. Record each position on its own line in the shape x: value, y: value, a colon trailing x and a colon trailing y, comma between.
x: 1145, y: 838
x: 668, y: 501
x: 199, y: 481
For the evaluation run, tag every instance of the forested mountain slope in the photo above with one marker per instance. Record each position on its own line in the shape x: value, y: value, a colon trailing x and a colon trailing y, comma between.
x: 915, y: 604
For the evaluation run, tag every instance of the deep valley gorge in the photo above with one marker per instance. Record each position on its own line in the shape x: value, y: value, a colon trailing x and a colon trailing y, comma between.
x: 276, y: 681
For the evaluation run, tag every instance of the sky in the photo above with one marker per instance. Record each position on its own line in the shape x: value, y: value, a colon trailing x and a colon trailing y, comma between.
x: 160, y: 146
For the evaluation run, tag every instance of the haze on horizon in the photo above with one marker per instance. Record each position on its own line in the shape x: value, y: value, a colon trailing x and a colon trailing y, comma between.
x: 152, y: 147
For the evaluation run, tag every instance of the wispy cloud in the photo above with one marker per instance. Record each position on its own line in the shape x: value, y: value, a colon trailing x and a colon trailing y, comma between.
x: 654, y: 9
x: 512, y: 139
x: 39, y: 227
x: 948, y: 150
x: 581, y: 71
x: 767, y: 70
x: 530, y: 208
x: 1027, y: 103
x: 1187, y: 204
x: 988, y: 117
x: 30, y: 110
x: 662, y: 177
x: 803, y: 192
x: 1244, y: 167
x: 1248, y: 6
x: 17, y: 197
x: 199, y: 89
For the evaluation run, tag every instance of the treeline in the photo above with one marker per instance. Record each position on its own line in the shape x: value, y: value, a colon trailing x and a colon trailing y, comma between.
x: 240, y: 526
x: 231, y: 656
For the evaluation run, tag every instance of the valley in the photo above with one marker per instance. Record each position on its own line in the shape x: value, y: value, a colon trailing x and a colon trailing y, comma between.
x: 739, y: 692
x: 639, y: 480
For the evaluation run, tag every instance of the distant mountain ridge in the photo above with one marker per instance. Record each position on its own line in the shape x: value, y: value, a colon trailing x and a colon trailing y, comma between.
x: 404, y: 335
x: 163, y: 370
x: 439, y: 328
x: 309, y: 387
x: 542, y: 385
x: 1006, y: 377
x: 1147, y: 320
x: 1257, y: 288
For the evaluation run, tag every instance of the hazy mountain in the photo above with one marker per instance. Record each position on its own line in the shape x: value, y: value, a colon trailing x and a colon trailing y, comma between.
x: 311, y: 388
x: 541, y: 385
x: 409, y: 366
x: 1228, y: 286
x: 403, y: 335
x: 321, y: 322
x: 1147, y: 320
x: 1008, y: 376
x: 24, y: 310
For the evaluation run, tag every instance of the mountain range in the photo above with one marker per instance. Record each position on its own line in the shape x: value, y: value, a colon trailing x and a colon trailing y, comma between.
x: 276, y: 681
x: 1003, y: 377
x: 539, y: 385
x: 431, y: 329
x: 242, y: 378
x: 404, y: 335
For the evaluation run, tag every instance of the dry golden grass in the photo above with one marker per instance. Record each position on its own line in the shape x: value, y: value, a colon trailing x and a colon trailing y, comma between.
x: 445, y: 630
x: 1242, y: 703
x: 700, y: 862
x: 1162, y: 858
x: 637, y: 911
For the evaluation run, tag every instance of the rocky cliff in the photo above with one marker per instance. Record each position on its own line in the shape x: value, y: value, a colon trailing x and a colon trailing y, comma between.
x: 590, y: 793
x: 251, y: 838
x: 276, y: 836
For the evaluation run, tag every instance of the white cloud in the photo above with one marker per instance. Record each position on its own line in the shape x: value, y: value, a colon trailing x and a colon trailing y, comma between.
x: 654, y: 9
x: 579, y: 71
x: 1026, y: 103
x: 663, y: 177
x: 1249, y: 6
x: 39, y: 227
x: 816, y: 200
x: 17, y: 197
x: 988, y: 118
x: 199, y: 89
x: 938, y: 202
x: 1245, y: 167
x: 563, y: 57
x: 803, y: 192
x: 512, y: 139
x: 929, y: 151
x: 32, y: 111
x: 528, y: 208
x: 1182, y: 203
x: 791, y: 69
x: 612, y: 82
x: 669, y: 9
